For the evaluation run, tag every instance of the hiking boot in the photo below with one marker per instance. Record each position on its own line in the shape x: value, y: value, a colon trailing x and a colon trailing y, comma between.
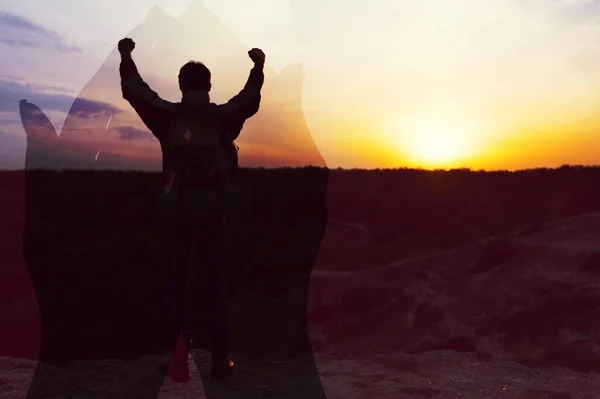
x: 222, y: 370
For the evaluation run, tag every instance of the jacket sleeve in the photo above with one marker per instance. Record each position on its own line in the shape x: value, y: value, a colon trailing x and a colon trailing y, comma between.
x: 153, y: 110
x: 245, y: 104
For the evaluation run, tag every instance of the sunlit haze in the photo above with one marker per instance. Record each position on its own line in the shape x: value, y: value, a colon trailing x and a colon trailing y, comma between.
x: 499, y: 84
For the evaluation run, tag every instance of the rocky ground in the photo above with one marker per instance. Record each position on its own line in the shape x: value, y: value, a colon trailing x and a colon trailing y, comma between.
x: 532, y: 297
x: 509, y: 317
x: 441, y: 374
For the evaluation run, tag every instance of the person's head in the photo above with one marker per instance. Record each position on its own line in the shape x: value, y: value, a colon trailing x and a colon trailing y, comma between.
x: 194, y: 76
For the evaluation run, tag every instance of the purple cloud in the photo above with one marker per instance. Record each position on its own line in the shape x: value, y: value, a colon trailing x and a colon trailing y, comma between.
x: 16, y: 31
x: 133, y: 133
x: 87, y: 109
x: 11, y: 92
x: 15, y: 21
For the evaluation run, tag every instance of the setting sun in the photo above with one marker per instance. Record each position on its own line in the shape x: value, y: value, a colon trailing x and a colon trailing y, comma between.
x: 434, y: 146
x: 431, y: 141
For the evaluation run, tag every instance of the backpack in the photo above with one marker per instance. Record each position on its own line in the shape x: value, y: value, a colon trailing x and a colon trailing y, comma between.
x: 203, y: 153
x: 205, y: 161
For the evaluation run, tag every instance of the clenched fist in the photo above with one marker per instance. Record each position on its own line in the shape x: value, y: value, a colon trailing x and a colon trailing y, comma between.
x: 257, y: 56
x: 126, y: 46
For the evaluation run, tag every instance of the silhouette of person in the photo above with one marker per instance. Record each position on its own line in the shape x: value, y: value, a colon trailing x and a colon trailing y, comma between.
x: 91, y: 253
x: 208, y: 232
x: 91, y: 306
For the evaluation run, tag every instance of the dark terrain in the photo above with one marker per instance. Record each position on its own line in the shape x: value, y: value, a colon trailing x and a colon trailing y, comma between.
x: 497, y: 265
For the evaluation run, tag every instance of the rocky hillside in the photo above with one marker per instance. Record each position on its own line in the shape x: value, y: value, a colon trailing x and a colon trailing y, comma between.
x: 532, y: 297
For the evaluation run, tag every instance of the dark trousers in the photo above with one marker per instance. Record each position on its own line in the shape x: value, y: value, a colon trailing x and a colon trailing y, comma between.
x: 208, y: 237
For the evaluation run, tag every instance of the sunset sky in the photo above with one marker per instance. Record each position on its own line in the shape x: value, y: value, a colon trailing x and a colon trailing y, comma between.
x: 497, y: 84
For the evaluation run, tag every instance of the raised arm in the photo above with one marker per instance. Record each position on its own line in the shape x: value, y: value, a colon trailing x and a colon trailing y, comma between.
x: 245, y: 104
x: 153, y: 110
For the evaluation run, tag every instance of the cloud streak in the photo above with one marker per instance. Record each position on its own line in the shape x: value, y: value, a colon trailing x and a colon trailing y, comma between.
x: 11, y: 92
x: 16, y: 31
x: 87, y: 109
x: 133, y: 133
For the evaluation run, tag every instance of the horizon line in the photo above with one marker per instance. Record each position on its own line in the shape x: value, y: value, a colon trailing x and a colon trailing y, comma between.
x: 342, y: 169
